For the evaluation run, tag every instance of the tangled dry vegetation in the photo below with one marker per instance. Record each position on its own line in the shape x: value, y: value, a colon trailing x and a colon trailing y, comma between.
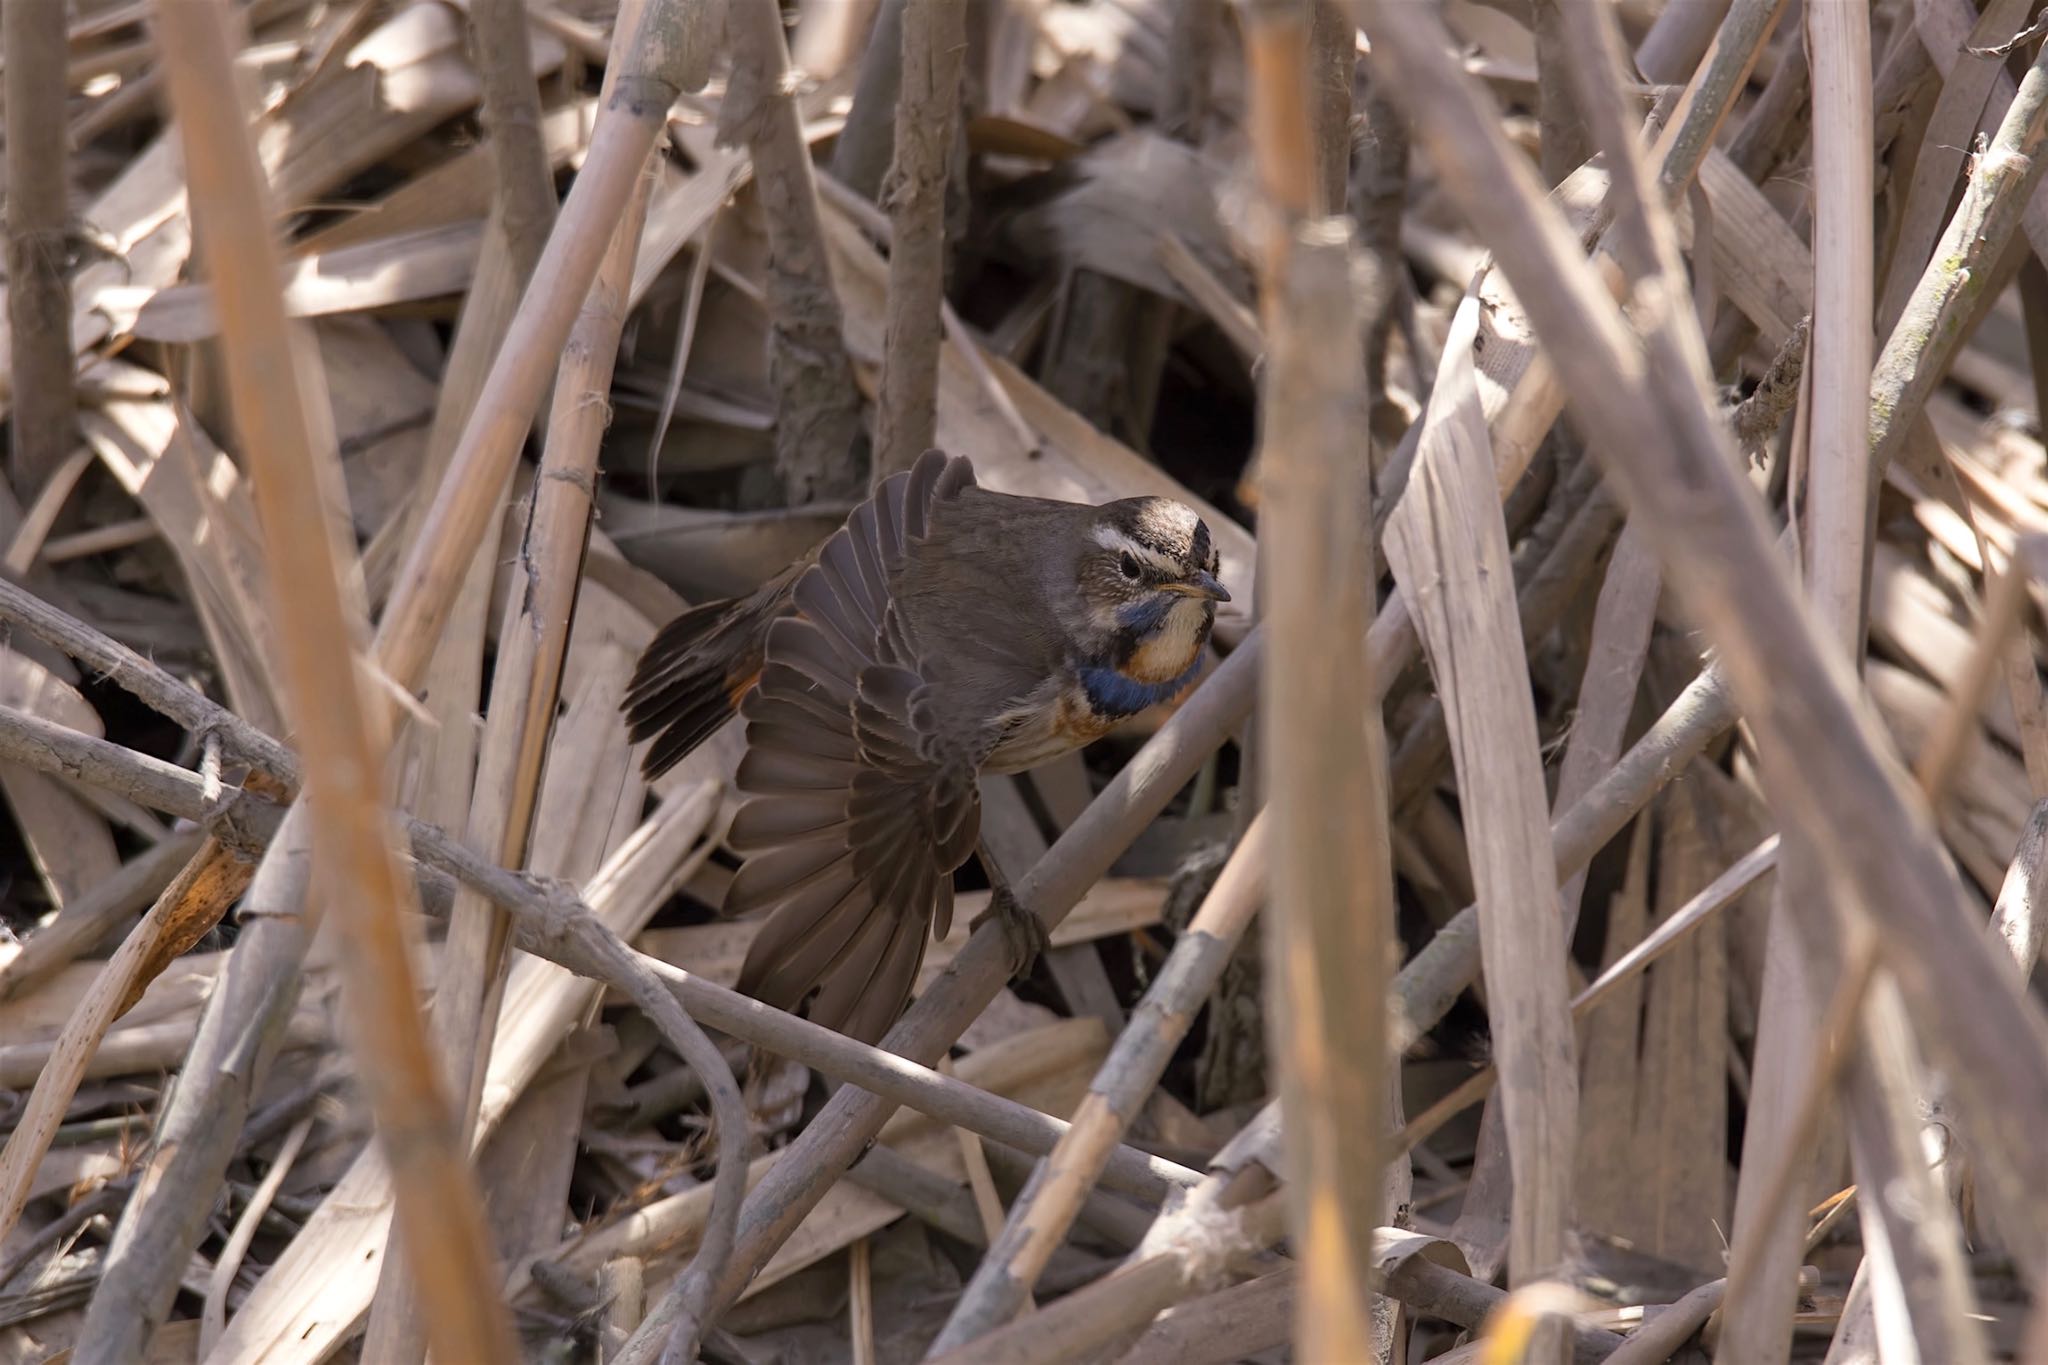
x: 512, y: 327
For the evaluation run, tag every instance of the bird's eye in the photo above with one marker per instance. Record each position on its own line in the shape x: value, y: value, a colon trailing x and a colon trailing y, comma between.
x: 1128, y: 565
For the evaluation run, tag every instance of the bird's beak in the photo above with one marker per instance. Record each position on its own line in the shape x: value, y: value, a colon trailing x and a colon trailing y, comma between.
x: 1200, y: 585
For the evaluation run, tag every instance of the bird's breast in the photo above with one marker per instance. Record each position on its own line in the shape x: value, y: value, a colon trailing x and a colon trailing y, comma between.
x: 1078, y: 711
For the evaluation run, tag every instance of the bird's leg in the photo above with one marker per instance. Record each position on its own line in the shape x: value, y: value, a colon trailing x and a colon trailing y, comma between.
x: 1023, y: 932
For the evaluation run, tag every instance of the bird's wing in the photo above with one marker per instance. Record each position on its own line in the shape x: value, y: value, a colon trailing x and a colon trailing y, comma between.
x: 860, y: 807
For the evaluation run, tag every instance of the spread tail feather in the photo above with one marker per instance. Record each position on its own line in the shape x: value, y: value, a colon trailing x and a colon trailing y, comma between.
x: 693, y: 675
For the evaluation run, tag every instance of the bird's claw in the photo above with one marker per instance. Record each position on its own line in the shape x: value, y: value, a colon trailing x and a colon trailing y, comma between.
x: 1023, y: 932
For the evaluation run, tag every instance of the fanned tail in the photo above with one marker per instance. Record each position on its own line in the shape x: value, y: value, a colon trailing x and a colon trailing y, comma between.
x: 693, y: 675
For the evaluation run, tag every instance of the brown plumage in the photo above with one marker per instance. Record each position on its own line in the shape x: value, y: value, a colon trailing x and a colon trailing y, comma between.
x: 944, y: 630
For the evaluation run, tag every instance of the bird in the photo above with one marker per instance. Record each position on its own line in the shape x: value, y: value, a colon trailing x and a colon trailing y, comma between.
x: 943, y: 632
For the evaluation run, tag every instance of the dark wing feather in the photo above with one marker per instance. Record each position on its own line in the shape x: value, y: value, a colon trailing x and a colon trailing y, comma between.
x: 856, y: 818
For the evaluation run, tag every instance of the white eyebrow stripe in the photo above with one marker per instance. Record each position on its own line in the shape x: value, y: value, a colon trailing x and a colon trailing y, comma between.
x: 1109, y: 538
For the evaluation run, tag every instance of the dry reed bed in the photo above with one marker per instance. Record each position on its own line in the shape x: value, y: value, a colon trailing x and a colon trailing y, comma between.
x: 334, y: 519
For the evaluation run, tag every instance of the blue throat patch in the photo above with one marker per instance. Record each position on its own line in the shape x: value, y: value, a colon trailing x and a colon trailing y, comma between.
x: 1115, y: 695
x: 1145, y: 615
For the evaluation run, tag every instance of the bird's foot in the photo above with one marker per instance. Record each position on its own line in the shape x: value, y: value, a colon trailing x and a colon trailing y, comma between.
x: 1023, y: 932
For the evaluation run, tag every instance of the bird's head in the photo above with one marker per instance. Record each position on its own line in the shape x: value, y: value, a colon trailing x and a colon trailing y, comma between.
x: 1146, y: 575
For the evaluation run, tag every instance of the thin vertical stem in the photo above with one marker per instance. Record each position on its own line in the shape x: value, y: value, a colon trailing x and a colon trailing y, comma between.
x: 40, y: 426
x: 817, y: 408
x: 1325, y: 752
x: 927, y: 122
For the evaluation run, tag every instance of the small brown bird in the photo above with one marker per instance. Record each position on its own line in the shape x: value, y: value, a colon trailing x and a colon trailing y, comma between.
x: 944, y: 631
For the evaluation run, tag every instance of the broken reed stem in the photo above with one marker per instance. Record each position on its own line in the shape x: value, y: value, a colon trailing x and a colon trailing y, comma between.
x: 38, y: 385
x: 622, y: 1285
x: 927, y: 125
x: 1839, y: 491
x: 92, y: 917
x: 439, y: 1212
x: 244, y: 1023
x: 818, y: 431
x: 1722, y: 75
x: 1185, y: 77
x: 1818, y: 762
x: 1565, y: 142
x: 195, y: 898
x: 1678, y: 39
x: 1332, y: 64
x: 1045, y: 1210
